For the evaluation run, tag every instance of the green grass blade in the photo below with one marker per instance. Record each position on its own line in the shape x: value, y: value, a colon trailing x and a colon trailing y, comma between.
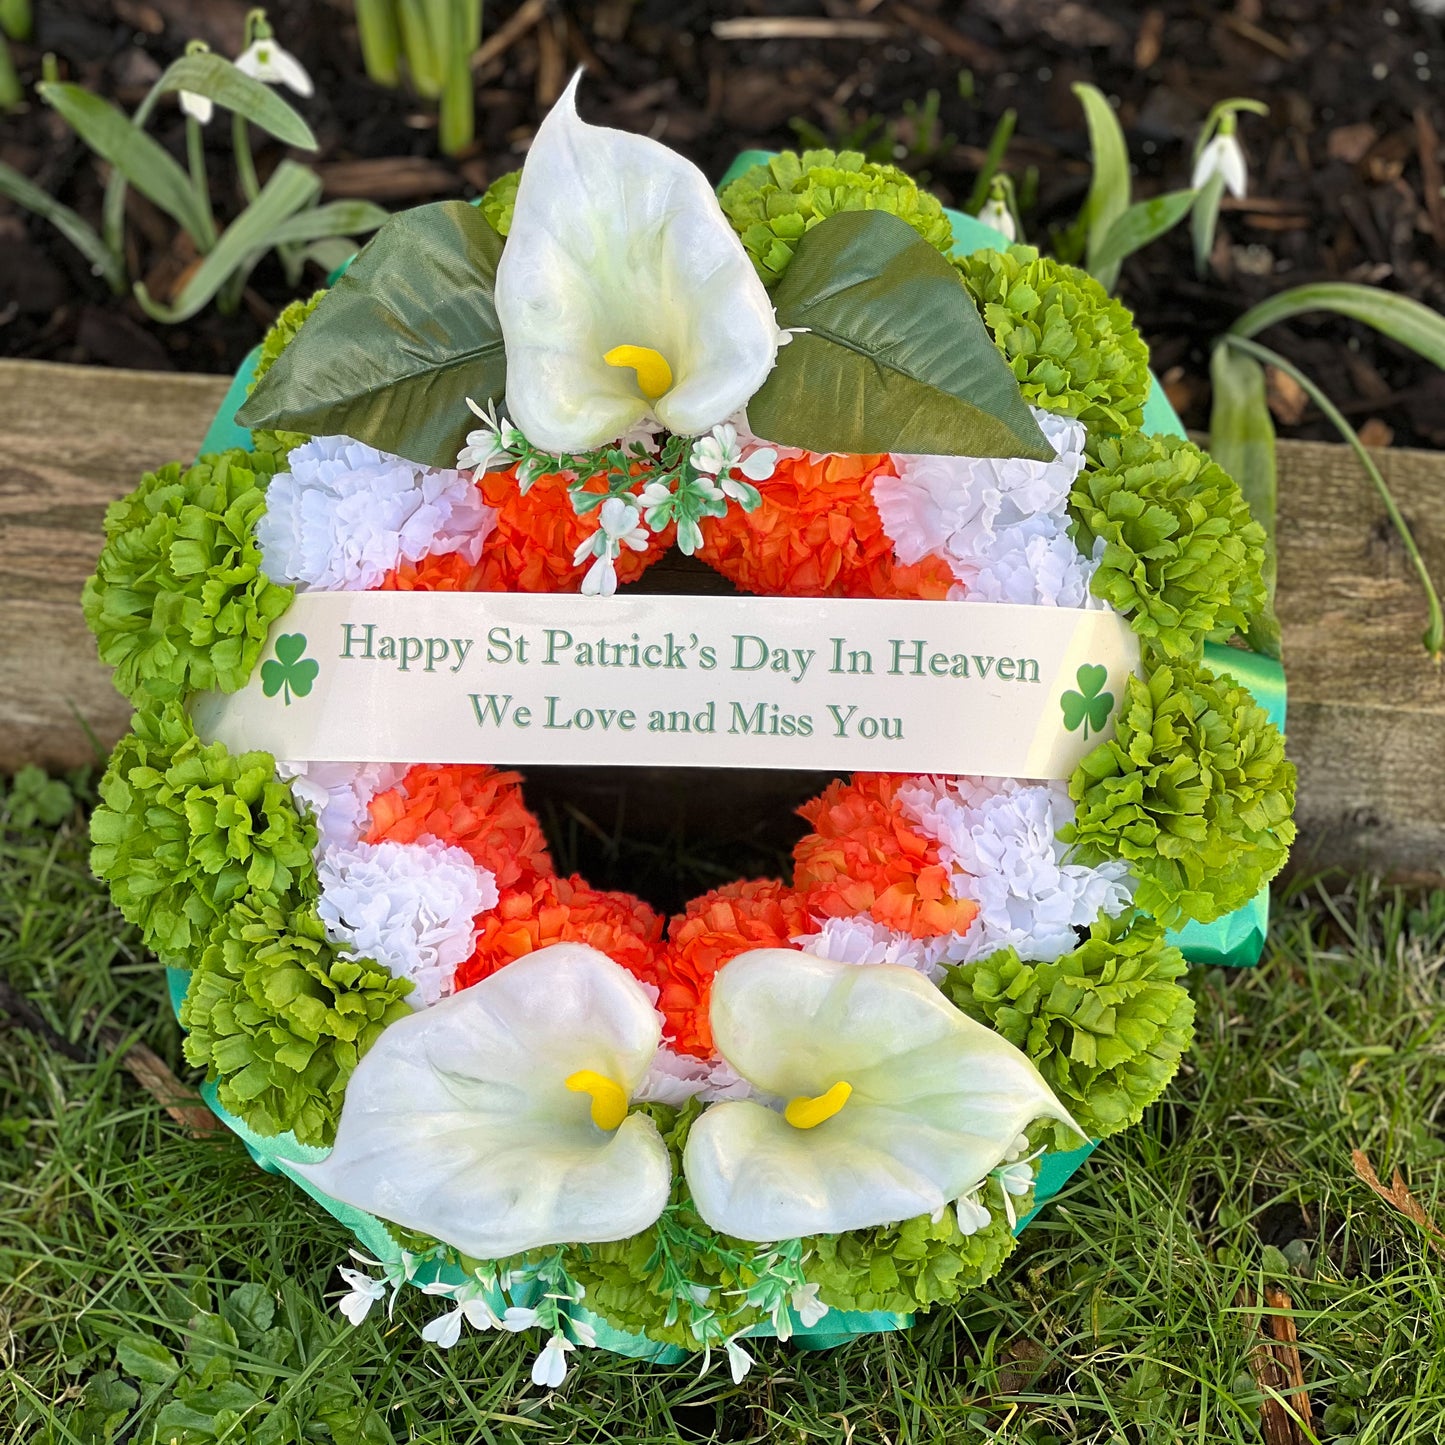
x: 997, y: 145
x: 457, y: 118
x: 1395, y: 316
x: 423, y: 47
x: 1241, y: 440
x: 232, y: 89
x: 1135, y: 229
x: 80, y: 235
x: 1109, y: 190
x: 1205, y: 220
x: 242, y: 244
x: 338, y: 218
x: 1435, y: 629
x: 10, y: 92
x: 15, y: 19
x: 113, y: 137
x: 380, y: 40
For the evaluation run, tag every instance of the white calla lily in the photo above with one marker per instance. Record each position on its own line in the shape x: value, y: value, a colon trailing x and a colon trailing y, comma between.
x: 896, y: 1103
x: 497, y: 1121
x: 623, y: 292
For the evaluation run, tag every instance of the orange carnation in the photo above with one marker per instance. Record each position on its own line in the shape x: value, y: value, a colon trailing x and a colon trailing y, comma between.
x: 818, y: 534
x: 564, y: 910
x: 436, y: 572
x: 536, y: 535
x: 714, y: 928
x: 862, y: 857
x: 471, y: 806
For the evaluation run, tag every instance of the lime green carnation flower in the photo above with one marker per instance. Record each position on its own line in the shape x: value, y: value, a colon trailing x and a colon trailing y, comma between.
x: 277, y: 444
x: 1071, y: 346
x: 1182, y: 558
x: 1106, y: 1024
x: 186, y: 829
x: 179, y: 602
x: 772, y: 205
x: 1193, y: 791
x: 499, y: 200
x: 280, y: 1016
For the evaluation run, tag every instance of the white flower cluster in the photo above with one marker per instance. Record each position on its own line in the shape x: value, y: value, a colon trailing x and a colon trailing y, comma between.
x: 1001, y: 837
x: 1001, y: 525
x: 863, y: 940
x: 674, y: 1078
x: 345, y: 514
x: 409, y: 906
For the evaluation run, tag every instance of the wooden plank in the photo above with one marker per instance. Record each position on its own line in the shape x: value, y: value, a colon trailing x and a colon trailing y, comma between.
x: 1367, y: 708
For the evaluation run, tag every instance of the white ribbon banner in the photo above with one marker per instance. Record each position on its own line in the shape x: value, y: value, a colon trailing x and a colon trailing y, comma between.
x: 722, y: 682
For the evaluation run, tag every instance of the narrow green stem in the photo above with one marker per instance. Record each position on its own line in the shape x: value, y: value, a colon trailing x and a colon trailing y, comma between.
x: 245, y: 165
x: 196, y: 160
x: 998, y: 144
x: 1435, y: 631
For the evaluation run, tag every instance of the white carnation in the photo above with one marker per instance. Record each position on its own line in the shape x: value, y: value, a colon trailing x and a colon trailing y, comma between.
x: 345, y: 514
x: 864, y: 940
x: 1001, y: 838
x: 409, y: 906
x: 1034, y: 562
x: 338, y: 794
x: 674, y: 1078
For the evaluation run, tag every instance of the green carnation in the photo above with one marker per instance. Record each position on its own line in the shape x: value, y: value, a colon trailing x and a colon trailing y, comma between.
x: 499, y: 200
x: 1106, y: 1025
x: 280, y: 1016
x: 1071, y: 346
x: 1182, y: 558
x: 774, y: 203
x: 1193, y: 790
x: 179, y: 602
x: 282, y: 333
x: 185, y: 829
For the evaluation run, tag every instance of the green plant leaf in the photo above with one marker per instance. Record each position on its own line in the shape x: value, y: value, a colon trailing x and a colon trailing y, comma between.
x: 396, y: 347
x: 894, y: 355
x: 243, y: 242
x: 1205, y: 220
x: 1398, y: 317
x: 1241, y: 440
x: 133, y: 153
x: 336, y: 218
x: 147, y: 1360
x: 1109, y: 190
x: 234, y: 90
x: 380, y: 41
x: 80, y: 235
x: 1142, y: 223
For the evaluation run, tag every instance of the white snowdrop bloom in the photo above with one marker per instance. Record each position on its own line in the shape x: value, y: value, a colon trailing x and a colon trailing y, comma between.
x: 952, y: 507
x: 338, y: 794
x: 972, y: 1214
x: 264, y: 59
x: 1001, y: 837
x: 344, y: 515
x: 1222, y: 156
x: 864, y: 940
x: 995, y: 213
x: 550, y: 1367
x: 198, y: 107
x: 739, y: 1361
x: 365, y: 1292
x: 410, y: 906
x: 1034, y: 562
x: 675, y: 1078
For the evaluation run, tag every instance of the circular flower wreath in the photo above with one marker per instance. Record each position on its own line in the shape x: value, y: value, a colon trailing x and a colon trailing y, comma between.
x: 794, y: 1098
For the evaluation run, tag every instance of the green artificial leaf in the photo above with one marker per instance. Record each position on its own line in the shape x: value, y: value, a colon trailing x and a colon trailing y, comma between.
x: 1241, y: 440
x: 1134, y: 229
x: 1109, y: 189
x: 147, y: 1360
x: 1398, y: 317
x: 396, y: 347
x: 134, y: 154
x: 242, y: 244
x: 893, y: 355
x: 234, y: 90
x: 82, y: 236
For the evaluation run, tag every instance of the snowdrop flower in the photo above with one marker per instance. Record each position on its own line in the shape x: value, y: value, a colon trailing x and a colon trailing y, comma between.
x: 618, y: 526
x: 473, y: 1305
x: 997, y: 213
x: 550, y: 1367
x: 623, y: 292
x: 497, y: 1120
x: 739, y: 1361
x: 1223, y: 156
x: 365, y: 1291
x: 198, y: 107
x: 807, y: 1306
x: 264, y: 59
x: 896, y: 1104
x: 410, y: 906
x: 971, y: 1212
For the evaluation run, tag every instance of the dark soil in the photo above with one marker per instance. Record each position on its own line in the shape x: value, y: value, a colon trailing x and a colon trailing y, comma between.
x: 1346, y: 169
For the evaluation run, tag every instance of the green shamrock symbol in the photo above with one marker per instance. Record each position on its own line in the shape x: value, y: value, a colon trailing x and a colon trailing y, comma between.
x: 1089, y: 705
x: 286, y: 670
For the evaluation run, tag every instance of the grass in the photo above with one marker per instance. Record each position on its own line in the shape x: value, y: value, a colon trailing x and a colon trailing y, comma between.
x: 158, y: 1287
